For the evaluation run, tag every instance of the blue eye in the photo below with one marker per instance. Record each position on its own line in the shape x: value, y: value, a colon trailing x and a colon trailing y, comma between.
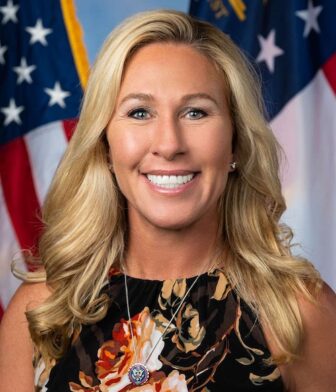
x: 139, y: 114
x: 196, y: 114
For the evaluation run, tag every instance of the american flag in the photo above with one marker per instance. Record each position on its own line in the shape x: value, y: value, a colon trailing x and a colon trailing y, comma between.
x: 42, y: 60
x: 293, y: 46
x: 43, y: 68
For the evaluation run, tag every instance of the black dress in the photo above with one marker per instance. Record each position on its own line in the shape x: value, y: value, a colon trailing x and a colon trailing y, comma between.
x: 214, y: 343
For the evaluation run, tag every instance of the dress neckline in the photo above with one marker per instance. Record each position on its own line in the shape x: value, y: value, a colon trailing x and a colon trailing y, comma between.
x: 116, y: 272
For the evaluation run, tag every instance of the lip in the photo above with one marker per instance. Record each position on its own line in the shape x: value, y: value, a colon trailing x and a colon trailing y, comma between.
x: 171, y: 191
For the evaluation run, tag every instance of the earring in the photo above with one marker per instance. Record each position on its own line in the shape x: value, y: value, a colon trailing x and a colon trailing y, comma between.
x: 233, y: 165
x: 110, y: 167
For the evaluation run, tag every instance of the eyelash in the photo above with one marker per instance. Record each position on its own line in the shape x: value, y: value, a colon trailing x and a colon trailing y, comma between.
x: 200, y: 113
x: 132, y: 113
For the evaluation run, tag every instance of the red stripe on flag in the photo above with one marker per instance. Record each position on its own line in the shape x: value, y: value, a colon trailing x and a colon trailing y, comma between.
x: 19, y: 193
x: 69, y: 127
x: 329, y: 70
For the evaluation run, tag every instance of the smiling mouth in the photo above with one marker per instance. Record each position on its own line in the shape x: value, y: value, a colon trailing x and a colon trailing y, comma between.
x: 170, y: 182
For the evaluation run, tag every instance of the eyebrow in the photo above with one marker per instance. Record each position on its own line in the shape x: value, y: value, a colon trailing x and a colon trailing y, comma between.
x: 138, y: 96
x: 186, y: 98
x: 190, y: 97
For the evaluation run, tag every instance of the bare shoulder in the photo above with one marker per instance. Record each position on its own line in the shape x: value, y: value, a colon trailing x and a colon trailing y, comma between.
x: 29, y: 295
x: 15, y: 343
x: 316, y: 368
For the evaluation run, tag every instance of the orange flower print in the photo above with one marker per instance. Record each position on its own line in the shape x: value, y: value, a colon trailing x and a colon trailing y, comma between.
x: 86, y: 386
x: 175, y: 382
x: 116, y: 356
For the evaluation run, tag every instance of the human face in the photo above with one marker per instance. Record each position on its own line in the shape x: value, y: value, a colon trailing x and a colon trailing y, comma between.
x: 170, y: 136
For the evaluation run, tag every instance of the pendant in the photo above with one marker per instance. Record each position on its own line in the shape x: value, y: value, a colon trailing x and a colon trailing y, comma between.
x: 138, y: 374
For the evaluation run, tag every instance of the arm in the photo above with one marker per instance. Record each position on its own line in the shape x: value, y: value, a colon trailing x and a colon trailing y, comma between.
x: 16, y: 348
x: 316, y: 369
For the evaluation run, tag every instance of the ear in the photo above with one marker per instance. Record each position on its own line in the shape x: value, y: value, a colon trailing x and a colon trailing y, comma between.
x: 109, y: 160
x: 233, y: 162
x: 233, y: 166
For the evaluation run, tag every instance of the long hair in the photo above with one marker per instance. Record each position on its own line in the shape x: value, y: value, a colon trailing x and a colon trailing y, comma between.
x: 84, y: 212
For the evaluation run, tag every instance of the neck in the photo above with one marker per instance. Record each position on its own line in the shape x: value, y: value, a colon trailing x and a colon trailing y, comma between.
x: 156, y: 253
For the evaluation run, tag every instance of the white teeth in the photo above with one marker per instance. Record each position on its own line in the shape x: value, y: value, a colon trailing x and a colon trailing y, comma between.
x: 169, y: 181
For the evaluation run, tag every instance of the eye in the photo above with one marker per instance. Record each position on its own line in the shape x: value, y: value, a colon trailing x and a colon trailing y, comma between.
x: 139, y: 114
x: 195, y: 114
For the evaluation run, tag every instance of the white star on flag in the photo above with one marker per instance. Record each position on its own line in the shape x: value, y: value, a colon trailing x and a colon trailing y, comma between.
x: 12, y: 112
x: 24, y: 71
x: 38, y: 33
x: 2, y: 52
x: 269, y: 51
x: 9, y: 12
x: 57, y: 95
x: 310, y: 17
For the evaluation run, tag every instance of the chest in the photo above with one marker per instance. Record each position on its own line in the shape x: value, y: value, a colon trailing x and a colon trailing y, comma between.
x: 212, y: 343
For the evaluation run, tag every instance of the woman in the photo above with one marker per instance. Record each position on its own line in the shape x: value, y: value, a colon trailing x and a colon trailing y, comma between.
x: 165, y: 266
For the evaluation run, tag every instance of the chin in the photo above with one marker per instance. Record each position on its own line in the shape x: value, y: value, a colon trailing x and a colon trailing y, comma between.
x: 171, y: 223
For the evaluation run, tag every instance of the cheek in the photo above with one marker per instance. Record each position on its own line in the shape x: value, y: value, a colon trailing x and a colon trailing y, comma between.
x: 217, y: 151
x: 215, y: 143
x: 126, y: 150
x: 222, y: 156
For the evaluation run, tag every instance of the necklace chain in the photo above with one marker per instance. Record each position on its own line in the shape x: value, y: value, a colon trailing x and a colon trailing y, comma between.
x: 139, y: 373
x: 168, y: 325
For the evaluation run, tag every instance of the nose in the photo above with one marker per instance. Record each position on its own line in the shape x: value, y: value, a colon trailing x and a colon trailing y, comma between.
x: 167, y: 138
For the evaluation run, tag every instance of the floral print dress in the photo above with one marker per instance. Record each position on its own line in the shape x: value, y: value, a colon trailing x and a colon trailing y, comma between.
x: 214, y: 342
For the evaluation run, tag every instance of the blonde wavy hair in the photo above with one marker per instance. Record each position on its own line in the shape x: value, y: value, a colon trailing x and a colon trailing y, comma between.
x: 84, y: 213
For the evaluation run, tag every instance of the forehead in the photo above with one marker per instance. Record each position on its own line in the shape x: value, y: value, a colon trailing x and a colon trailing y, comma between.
x: 159, y: 66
